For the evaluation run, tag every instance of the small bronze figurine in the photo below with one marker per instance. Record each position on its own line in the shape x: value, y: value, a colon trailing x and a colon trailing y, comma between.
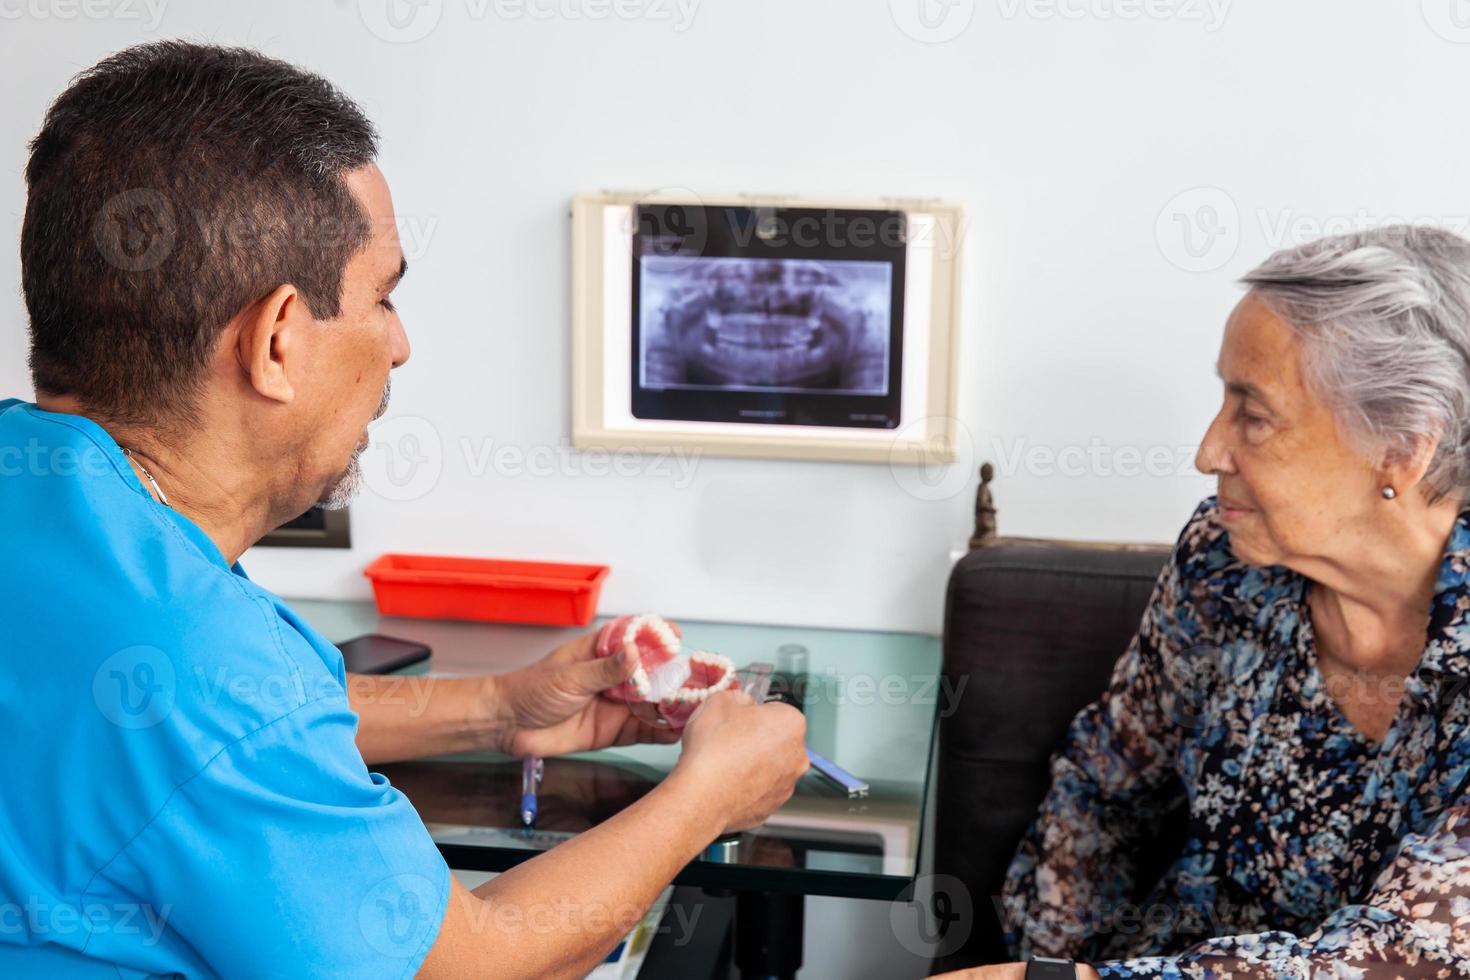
x: 985, y: 527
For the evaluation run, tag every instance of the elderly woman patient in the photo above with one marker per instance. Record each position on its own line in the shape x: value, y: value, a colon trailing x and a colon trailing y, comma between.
x: 1299, y: 679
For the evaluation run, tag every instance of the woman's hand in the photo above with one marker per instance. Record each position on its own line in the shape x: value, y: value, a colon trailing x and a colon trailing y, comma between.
x: 1008, y: 971
x: 553, y: 707
x: 999, y: 971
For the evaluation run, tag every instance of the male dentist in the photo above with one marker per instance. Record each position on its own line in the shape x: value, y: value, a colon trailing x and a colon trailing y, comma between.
x: 207, y: 256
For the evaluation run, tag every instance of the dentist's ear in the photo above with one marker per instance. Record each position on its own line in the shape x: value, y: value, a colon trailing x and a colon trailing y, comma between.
x: 267, y: 339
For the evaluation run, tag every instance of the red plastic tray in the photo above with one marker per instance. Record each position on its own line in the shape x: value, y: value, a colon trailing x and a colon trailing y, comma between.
x: 488, y: 589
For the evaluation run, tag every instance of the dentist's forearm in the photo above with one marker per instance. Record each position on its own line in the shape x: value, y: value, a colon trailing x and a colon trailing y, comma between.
x: 402, y: 716
x: 560, y: 914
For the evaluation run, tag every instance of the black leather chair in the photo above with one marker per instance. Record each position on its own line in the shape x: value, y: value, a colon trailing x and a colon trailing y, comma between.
x: 1033, y: 629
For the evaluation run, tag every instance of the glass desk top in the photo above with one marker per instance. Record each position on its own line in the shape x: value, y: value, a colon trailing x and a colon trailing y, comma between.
x: 871, y: 700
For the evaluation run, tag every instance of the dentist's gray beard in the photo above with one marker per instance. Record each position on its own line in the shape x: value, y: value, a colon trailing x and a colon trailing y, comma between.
x: 345, y: 487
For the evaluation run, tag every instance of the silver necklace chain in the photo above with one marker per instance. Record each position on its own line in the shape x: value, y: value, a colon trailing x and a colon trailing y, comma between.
x: 157, y: 490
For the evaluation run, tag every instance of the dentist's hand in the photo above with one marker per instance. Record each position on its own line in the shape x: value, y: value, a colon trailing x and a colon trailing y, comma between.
x: 745, y: 757
x: 553, y: 708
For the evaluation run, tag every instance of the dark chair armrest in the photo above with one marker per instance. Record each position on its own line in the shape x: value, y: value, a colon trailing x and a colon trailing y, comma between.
x: 1032, y: 630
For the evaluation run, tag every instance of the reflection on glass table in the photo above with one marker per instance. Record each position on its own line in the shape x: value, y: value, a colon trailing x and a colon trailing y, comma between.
x: 819, y: 843
x: 871, y: 701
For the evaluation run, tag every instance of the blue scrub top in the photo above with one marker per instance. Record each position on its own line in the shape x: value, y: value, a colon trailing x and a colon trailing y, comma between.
x: 180, y: 789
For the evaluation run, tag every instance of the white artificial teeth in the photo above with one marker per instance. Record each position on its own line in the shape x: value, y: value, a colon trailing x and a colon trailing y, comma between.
x: 666, y: 681
x: 639, y: 678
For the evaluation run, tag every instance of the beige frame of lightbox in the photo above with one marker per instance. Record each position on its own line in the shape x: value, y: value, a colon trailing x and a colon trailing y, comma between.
x: 927, y: 440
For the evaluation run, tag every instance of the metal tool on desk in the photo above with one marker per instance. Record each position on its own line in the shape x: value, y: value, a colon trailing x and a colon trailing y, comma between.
x: 837, y: 775
x: 756, y: 681
x: 532, y: 769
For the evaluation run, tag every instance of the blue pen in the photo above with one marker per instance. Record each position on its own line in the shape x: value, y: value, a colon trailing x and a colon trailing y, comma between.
x: 531, y: 770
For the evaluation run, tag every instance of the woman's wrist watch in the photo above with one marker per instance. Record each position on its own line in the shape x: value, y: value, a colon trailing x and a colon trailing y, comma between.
x: 1046, y: 968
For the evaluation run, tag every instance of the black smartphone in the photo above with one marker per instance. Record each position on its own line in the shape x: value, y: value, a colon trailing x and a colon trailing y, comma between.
x: 378, y: 654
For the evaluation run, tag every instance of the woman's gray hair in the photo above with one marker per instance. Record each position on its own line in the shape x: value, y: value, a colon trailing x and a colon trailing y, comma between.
x: 1384, y: 316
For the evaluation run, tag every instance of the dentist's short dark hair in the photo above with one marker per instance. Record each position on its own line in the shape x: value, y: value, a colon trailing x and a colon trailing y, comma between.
x: 171, y: 186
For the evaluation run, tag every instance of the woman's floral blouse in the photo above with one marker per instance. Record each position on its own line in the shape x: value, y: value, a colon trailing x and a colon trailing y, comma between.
x: 1312, y: 850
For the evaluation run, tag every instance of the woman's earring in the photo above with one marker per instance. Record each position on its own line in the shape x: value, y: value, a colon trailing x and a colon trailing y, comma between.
x: 1389, y: 493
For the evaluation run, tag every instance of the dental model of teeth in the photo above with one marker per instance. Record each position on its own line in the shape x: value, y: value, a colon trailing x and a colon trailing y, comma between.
x: 664, y: 674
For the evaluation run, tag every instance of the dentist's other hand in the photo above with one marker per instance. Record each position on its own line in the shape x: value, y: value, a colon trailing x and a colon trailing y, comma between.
x: 745, y: 757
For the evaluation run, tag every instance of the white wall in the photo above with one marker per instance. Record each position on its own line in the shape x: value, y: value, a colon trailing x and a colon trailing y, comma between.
x: 1067, y: 128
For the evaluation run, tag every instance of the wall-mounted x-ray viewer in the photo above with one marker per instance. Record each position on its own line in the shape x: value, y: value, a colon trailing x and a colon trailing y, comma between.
x: 755, y: 327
